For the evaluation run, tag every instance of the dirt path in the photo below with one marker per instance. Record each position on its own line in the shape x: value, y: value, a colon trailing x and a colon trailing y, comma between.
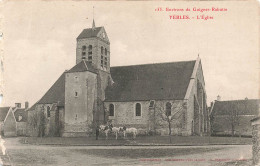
x: 24, y: 154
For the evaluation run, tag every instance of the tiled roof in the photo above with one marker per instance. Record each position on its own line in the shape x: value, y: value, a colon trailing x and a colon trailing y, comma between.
x: 3, y: 113
x: 87, y: 33
x: 22, y: 113
x: 56, y: 93
x: 244, y: 107
x: 82, y: 66
x: 150, y: 82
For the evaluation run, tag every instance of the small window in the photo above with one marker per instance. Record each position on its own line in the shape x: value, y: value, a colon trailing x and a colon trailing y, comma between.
x: 111, y: 110
x: 151, y: 104
x: 84, y: 48
x: 48, y: 111
x: 137, y: 109
x: 102, y: 50
x: 105, y: 51
x: 76, y: 117
x: 168, y: 109
x: 90, y: 53
x: 76, y: 94
x: 76, y: 79
x: 90, y: 48
x: 83, y: 52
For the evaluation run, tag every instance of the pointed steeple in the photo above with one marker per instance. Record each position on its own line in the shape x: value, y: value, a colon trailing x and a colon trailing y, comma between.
x: 93, y: 25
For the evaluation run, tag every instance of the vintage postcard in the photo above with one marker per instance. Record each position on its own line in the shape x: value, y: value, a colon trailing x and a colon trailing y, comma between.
x: 129, y: 83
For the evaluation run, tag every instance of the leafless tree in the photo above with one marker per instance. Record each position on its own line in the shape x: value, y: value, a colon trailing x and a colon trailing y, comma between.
x: 174, y: 116
x: 233, y: 115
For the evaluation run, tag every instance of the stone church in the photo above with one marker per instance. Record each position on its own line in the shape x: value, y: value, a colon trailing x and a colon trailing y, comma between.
x: 141, y: 96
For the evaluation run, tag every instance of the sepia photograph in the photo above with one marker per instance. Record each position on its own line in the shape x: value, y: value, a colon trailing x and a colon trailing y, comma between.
x: 129, y: 83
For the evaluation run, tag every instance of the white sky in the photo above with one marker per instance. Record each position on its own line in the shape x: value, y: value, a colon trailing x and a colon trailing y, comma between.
x: 40, y: 42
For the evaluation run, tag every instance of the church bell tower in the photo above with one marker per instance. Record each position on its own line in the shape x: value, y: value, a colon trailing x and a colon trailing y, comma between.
x: 93, y: 46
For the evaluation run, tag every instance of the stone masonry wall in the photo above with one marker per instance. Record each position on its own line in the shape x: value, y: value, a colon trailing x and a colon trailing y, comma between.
x: 124, y: 115
x: 255, y: 147
x: 79, y: 109
x: 194, y: 96
x: 10, y: 125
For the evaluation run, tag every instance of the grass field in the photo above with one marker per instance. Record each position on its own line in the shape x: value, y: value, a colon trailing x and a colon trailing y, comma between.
x: 144, y: 140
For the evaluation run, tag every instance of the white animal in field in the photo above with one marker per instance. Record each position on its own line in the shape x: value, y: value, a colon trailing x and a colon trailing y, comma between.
x: 131, y: 130
x: 104, y: 129
x: 115, y: 130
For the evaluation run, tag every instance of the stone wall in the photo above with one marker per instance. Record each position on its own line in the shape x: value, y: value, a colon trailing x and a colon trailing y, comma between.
x: 86, y: 42
x: 21, y: 128
x: 221, y: 125
x: 151, y: 118
x: 255, y: 147
x: 10, y: 125
x: 96, y: 43
x: 53, y: 125
x: 1, y: 128
x: 79, y: 109
x: 197, y: 113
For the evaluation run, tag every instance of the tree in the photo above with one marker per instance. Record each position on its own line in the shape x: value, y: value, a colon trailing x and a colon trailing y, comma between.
x: 42, y: 123
x: 233, y: 115
x: 37, y: 122
x: 169, y: 113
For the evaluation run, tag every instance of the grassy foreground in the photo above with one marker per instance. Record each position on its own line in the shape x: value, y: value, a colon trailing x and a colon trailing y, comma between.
x: 144, y: 140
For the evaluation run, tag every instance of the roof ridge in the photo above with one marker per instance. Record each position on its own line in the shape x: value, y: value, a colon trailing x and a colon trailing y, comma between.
x: 237, y: 100
x: 85, y: 64
x: 161, y: 63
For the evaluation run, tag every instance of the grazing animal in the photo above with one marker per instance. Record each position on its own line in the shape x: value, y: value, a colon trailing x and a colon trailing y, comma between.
x: 131, y: 130
x: 104, y: 129
x: 115, y: 130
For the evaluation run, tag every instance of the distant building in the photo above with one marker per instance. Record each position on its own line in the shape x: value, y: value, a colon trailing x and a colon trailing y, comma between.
x: 3, y: 113
x: 10, y: 124
x: 15, y: 120
x: 20, y: 115
x: 256, y: 139
x: 233, y: 117
x: 92, y: 93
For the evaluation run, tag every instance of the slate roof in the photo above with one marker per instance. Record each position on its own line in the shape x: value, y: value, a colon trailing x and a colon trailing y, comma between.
x: 150, y: 81
x: 244, y: 107
x: 88, y: 33
x: 20, y: 112
x: 3, y: 113
x: 82, y: 66
x: 56, y: 93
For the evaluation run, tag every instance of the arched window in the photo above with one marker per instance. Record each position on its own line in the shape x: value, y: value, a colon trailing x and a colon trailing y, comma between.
x: 90, y: 48
x: 102, y: 49
x: 90, y: 53
x: 111, y: 110
x: 105, y: 61
x: 137, y: 109
x: 48, y: 111
x: 102, y: 58
x: 83, y: 52
x: 168, y: 109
